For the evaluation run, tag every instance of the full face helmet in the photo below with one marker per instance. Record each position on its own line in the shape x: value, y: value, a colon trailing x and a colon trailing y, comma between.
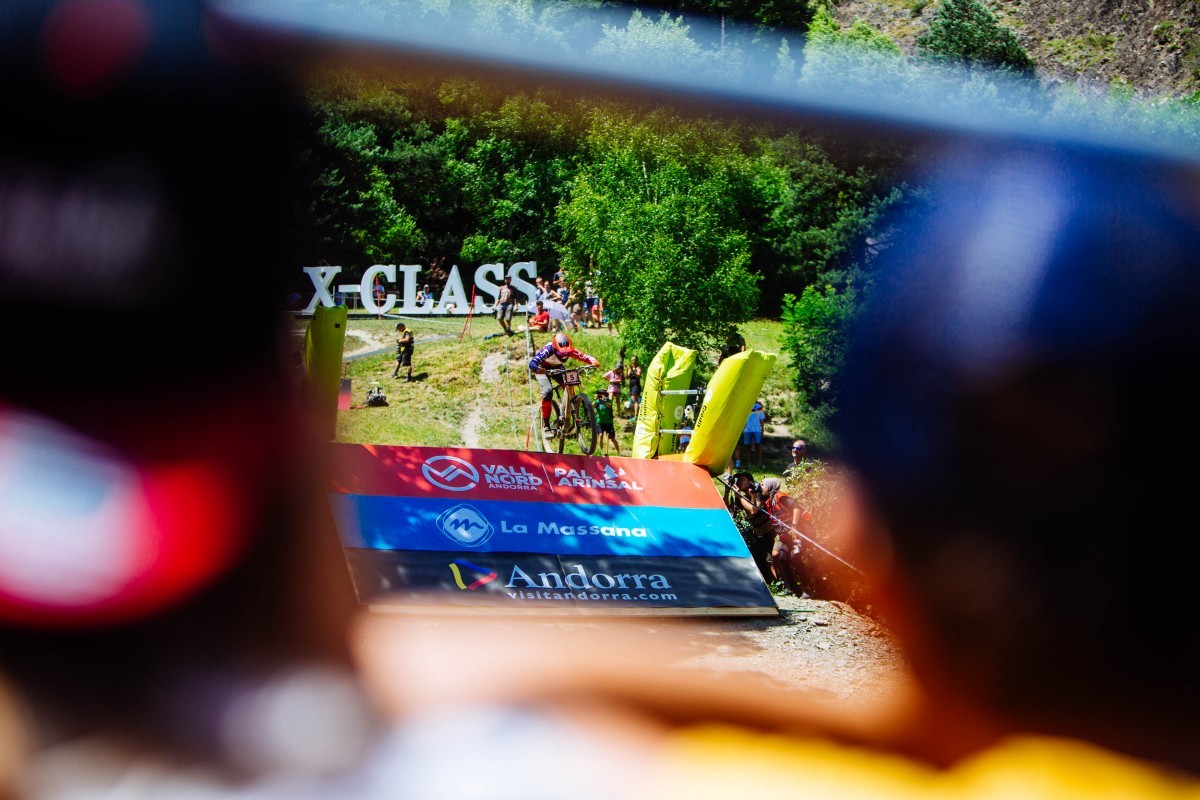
x: 562, y: 344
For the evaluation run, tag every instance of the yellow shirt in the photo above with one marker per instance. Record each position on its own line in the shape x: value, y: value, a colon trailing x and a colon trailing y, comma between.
x: 721, y: 763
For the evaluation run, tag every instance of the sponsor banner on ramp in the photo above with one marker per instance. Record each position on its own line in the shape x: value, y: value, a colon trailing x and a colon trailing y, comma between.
x: 518, y: 530
x: 437, y: 523
x: 529, y: 581
x: 516, y: 476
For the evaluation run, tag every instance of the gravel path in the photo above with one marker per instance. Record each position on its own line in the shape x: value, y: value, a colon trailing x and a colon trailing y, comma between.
x: 489, y: 373
x: 820, y: 646
x: 818, y: 649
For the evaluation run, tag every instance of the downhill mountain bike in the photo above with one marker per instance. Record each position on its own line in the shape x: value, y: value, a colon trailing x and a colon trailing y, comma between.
x: 571, y: 412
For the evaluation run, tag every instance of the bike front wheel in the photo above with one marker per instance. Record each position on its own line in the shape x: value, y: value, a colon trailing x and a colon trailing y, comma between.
x: 585, y: 423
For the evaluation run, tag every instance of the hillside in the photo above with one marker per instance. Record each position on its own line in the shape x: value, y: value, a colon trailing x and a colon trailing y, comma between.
x: 1150, y: 45
x: 471, y: 388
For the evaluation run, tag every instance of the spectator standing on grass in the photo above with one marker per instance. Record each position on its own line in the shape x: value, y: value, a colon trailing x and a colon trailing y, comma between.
x: 752, y: 431
x: 605, y: 319
x: 799, y: 455
x: 591, y: 306
x: 404, y: 351
x: 734, y: 343
x: 379, y: 292
x: 686, y: 426
x: 634, y: 376
x: 604, y: 419
x: 615, y: 377
x: 505, y: 300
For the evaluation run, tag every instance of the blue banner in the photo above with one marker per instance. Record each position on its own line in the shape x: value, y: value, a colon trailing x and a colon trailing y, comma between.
x: 439, y: 524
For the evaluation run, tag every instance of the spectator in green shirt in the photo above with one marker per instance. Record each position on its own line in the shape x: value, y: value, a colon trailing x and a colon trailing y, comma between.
x: 604, y: 418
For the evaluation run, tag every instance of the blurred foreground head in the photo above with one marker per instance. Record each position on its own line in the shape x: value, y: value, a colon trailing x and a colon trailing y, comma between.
x: 157, y: 535
x: 1016, y: 405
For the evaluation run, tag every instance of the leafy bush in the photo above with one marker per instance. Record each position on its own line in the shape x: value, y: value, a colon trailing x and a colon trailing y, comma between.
x: 821, y: 489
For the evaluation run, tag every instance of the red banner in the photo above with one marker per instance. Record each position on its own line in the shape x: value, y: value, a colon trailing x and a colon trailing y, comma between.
x: 519, y: 476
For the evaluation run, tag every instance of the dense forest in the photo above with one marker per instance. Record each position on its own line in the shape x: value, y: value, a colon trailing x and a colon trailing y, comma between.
x: 685, y: 225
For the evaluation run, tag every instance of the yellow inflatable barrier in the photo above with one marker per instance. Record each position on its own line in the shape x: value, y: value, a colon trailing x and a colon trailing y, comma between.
x: 323, y: 343
x: 727, y: 402
x: 670, y: 370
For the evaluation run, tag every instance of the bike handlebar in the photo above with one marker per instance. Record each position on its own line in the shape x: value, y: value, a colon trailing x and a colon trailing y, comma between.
x: 561, y: 370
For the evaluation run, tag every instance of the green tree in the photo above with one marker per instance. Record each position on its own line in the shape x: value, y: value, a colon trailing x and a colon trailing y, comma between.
x: 816, y: 215
x: 356, y: 208
x: 664, y: 43
x: 520, y: 162
x: 348, y: 195
x: 966, y: 31
x: 814, y: 335
x: 388, y: 233
x: 857, y: 58
x: 650, y: 219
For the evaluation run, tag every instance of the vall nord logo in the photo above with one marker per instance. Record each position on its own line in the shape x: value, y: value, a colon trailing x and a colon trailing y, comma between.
x: 456, y: 475
x: 464, y: 525
x: 450, y: 473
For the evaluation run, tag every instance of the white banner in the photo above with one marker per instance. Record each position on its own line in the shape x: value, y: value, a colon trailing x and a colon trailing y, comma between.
x: 455, y: 297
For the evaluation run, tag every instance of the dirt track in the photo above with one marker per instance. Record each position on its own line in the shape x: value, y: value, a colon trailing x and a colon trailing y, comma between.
x: 823, y: 649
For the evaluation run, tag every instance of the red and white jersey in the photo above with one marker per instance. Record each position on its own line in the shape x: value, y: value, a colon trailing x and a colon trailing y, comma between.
x: 547, y: 356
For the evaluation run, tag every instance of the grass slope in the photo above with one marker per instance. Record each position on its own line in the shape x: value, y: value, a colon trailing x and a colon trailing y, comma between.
x: 479, y: 389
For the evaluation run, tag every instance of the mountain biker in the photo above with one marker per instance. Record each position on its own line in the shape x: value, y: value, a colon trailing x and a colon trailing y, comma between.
x: 554, y: 355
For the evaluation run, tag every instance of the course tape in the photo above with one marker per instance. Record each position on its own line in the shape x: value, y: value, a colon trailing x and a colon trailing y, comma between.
x: 808, y: 539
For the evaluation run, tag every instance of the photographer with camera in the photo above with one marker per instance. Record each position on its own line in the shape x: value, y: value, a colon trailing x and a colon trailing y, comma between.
x: 741, y: 495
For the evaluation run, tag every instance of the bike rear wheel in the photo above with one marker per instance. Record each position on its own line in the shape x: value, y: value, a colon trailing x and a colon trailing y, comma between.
x: 585, y: 423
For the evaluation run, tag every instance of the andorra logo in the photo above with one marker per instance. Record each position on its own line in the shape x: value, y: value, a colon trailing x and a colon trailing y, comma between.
x: 459, y: 565
x: 464, y: 525
x: 450, y: 473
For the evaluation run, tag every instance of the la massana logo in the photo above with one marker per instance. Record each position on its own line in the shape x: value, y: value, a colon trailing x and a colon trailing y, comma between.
x: 464, y: 525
